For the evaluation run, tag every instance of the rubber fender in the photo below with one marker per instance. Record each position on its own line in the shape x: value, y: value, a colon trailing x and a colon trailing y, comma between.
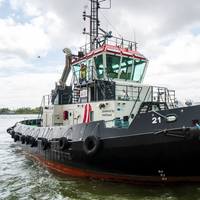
x: 12, y: 134
x: 16, y: 137
x: 91, y: 145
x: 64, y: 143
x: 45, y: 144
x: 23, y: 139
x: 9, y: 130
x: 28, y: 139
x: 33, y: 142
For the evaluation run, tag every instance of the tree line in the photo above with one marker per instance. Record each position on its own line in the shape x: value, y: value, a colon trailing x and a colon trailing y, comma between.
x: 26, y: 110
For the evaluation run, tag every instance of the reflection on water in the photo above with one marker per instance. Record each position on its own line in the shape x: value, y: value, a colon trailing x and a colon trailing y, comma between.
x: 23, y: 179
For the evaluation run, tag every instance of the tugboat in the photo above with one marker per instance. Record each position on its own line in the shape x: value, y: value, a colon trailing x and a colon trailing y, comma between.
x: 106, y: 124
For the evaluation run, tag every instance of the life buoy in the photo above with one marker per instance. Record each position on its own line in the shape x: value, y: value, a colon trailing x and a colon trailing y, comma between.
x: 91, y: 145
x: 64, y: 143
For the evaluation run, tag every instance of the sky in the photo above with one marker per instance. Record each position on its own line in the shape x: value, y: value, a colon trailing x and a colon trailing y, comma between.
x: 34, y: 32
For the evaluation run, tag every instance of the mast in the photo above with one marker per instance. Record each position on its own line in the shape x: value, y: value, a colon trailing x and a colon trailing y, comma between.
x: 94, y: 22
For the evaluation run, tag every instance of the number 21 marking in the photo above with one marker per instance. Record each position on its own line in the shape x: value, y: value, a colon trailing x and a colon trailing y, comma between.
x: 156, y: 120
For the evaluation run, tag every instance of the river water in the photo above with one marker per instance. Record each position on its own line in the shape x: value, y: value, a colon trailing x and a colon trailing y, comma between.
x: 23, y: 179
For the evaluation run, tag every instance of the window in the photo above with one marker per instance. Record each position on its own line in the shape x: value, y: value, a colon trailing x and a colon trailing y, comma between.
x: 99, y: 66
x: 90, y: 66
x: 76, y: 69
x: 126, y: 68
x: 113, y: 63
x: 139, y: 70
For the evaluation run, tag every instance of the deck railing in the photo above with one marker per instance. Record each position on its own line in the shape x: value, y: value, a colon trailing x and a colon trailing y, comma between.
x: 114, y: 41
x: 163, y: 95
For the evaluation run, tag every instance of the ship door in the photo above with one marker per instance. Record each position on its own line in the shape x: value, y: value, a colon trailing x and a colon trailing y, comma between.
x: 71, y: 117
x: 92, y: 93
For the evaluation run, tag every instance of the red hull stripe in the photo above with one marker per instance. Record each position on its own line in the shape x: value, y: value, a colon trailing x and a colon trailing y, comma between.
x: 76, y: 172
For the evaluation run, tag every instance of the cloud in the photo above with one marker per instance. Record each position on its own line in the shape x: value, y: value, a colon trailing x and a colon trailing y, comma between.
x: 177, y: 64
x: 26, y: 89
x: 62, y: 21
x: 29, y: 8
x: 168, y: 33
x: 35, y: 30
x: 24, y: 40
x: 1, y: 1
x: 181, y: 54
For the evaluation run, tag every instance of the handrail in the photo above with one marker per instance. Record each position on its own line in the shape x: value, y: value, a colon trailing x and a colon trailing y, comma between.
x: 138, y: 97
x: 116, y: 41
x: 130, y: 92
x: 172, y: 103
x: 159, y: 114
x: 147, y: 93
x: 167, y: 96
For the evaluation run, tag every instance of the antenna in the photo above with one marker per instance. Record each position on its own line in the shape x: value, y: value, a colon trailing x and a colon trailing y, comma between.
x: 94, y: 21
x: 135, y: 43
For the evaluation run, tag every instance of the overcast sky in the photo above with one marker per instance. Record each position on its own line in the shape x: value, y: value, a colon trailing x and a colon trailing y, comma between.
x: 168, y: 33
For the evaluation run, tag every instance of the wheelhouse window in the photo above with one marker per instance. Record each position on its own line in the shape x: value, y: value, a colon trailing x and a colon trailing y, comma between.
x: 76, y: 69
x: 113, y: 65
x: 116, y: 67
x: 90, y: 69
x: 99, y: 66
x: 126, y: 68
x: 139, y: 68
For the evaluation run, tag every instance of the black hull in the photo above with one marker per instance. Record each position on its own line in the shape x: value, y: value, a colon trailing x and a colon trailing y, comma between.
x: 159, y: 155
x: 171, y: 162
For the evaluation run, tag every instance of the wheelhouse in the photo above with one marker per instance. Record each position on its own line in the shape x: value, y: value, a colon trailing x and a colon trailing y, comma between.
x: 111, y: 63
